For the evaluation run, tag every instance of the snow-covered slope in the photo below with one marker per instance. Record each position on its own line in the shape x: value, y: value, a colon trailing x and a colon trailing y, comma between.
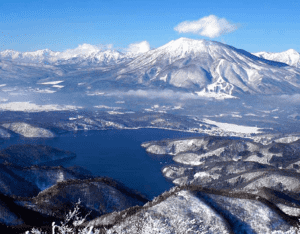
x: 290, y: 57
x: 186, y: 211
x: 27, y: 130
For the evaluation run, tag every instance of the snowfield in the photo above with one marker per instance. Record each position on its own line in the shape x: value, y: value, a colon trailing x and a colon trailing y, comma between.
x: 233, y: 127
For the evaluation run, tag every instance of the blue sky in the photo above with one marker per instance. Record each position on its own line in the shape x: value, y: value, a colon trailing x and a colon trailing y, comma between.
x: 28, y: 25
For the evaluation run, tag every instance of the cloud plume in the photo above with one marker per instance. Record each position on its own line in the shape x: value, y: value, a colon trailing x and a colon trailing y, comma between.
x: 210, y: 26
x: 140, y: 47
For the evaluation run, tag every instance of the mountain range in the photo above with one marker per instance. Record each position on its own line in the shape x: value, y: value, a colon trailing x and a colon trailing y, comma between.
x: 199, y: 66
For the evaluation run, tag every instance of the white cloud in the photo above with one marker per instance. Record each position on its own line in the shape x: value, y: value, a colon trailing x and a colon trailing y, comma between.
x: 210, y: 26
x: 139, y: 47
x: 84, y: 49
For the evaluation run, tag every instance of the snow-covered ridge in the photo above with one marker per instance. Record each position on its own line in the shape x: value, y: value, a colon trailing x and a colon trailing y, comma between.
x: 290, y: 57
x: 32, y: 107
x: 27, y: 130
x: 83, y: 52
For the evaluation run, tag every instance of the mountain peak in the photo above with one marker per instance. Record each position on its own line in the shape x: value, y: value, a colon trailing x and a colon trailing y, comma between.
x: 184, y: 42
x: 187, y: 40
x: 290, y: 57
x: 291, y: 51
x: 184, y: 46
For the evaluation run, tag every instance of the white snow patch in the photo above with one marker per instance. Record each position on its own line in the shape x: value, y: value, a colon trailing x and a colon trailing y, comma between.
x: 28, y: 130
x: 250, y: 114
x: 288, y: 139
x: 177, y: 107
x: 94, y: 93
x: 58, y: 86
x: 107, y: 107
x: 214, y: 95
x: 32, y: 107
x: 180, y: 180
x: 52, y: 82
x: 115, y: 113
x: 293, y: 211
x: 189, y: 159
x: 202, y: 174
x: 233, y: 127
x: 236, y: 116
x: 164, y: 78
x: 44, y: 91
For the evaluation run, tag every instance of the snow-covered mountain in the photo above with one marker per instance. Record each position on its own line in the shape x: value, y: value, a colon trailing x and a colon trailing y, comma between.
x: 210, y: 67
x: 290, y: 57
x: 82, y: 55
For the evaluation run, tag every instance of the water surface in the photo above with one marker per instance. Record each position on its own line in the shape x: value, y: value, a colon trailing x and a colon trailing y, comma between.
x: 115, y: 153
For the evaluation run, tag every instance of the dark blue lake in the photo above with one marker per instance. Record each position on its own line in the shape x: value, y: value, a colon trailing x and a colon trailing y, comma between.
x: 115, y: 153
